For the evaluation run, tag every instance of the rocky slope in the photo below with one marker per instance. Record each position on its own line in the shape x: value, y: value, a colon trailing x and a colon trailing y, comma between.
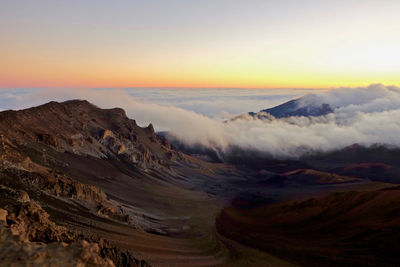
x: 94, y: 188
x: 304, y: 106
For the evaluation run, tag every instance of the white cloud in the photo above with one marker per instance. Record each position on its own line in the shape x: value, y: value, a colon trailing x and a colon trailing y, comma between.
x: 217, y: 103
x: 362, y: 115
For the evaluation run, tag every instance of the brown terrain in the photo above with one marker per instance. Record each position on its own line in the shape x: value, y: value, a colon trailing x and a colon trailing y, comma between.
x: 84, y: 186
x: 343, y: 228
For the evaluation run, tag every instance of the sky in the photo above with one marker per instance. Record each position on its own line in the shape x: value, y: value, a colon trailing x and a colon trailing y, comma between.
x: 199, y: 44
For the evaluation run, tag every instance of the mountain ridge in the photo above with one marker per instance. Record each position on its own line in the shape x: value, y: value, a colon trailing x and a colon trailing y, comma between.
x: 303, y: 106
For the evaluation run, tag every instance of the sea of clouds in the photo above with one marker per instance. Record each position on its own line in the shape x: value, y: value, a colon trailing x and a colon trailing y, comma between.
x: 365, y: 115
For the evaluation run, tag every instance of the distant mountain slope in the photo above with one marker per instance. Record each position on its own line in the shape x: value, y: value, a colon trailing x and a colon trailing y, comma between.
x: 304, y: 106
x: 295, y: 108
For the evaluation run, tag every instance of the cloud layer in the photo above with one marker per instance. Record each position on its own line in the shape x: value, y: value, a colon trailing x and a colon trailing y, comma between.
x: 365, y: 116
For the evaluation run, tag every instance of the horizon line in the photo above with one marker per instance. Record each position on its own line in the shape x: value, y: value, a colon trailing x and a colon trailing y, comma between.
x: 198, y: 87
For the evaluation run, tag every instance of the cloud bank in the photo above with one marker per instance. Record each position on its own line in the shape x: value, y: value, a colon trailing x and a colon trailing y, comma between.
x: 366, y: 116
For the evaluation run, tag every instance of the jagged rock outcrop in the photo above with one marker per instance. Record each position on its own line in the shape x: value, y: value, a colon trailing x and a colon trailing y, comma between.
x: 82, y: 128
x: 24, y: 241
x: 57, y: 184
x: 30, y: 222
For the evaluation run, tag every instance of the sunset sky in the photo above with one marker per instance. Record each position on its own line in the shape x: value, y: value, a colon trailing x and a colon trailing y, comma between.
x: 210, y: 43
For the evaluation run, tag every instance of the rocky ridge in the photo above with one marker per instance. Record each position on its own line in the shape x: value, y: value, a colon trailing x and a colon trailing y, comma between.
x: 30, y: 184
x: 81, y: 128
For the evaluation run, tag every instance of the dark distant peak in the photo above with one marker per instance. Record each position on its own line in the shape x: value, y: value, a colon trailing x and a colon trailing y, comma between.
x: 287, y: 106
x: 307, y: 106
x: 295, y: 107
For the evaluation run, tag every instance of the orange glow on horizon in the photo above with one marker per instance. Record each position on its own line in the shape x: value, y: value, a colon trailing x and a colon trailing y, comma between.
x: 116, y: 80
x: 132, y: 45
